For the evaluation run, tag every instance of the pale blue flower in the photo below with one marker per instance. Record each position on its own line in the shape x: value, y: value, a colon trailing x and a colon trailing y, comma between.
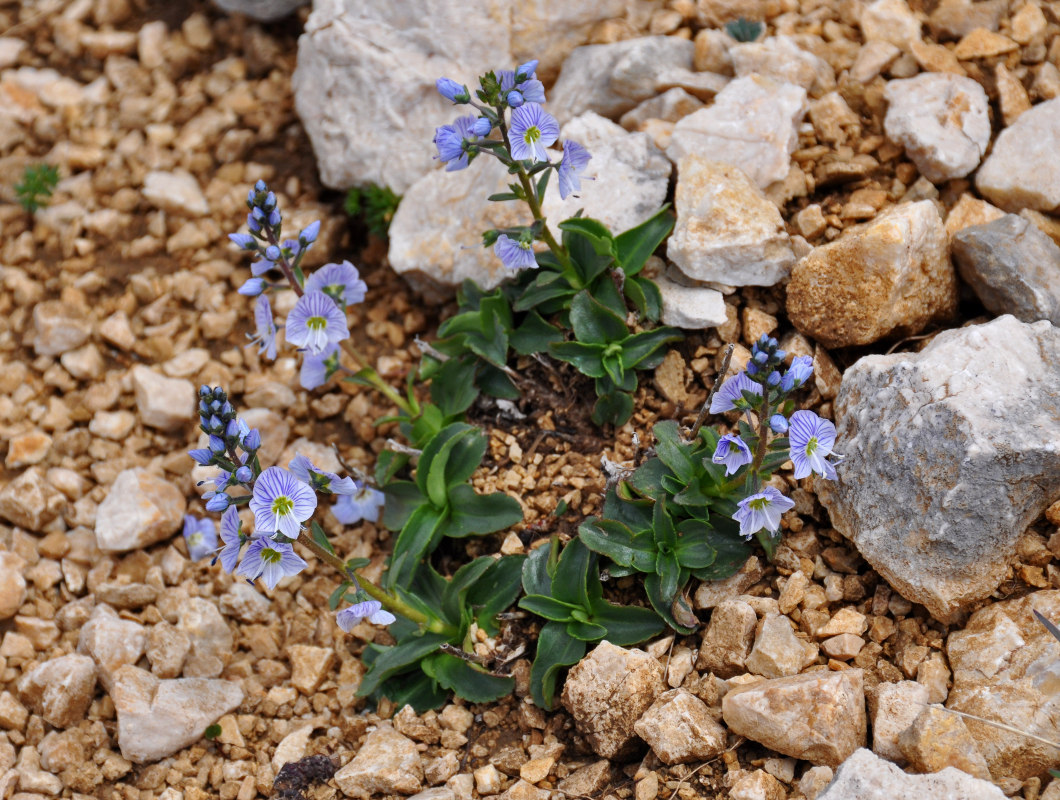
x: 532, y: 129
x: 515, y: 98
x: 365, y: 504
x: 281, y: 503
x: 453, y: 91
x: 762, y: 510
x: 317, y: 368
x: 271, y: 561
x: 731, y: 392
x: 372, y: 610
x: 244, y: 241
x: 341, y: 282
x: 515, y: 253
x: 316, y: 322
x: 449, y: 139
x: 265, y: 336
x: 252, y: 287
x: 575, y: 160
x: 232, y: 539
x: 201, y: 537
x: 811, y: 439
x: 319, y: 479
x: 733, y: 452
x: 798, y: 373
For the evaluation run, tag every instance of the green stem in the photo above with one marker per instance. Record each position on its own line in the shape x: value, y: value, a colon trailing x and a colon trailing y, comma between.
x: 389, y: 601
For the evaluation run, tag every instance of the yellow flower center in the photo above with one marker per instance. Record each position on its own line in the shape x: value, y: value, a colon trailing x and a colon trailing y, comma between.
x: 282, y: 506
x: 533, y: 133
x: 316, y: 323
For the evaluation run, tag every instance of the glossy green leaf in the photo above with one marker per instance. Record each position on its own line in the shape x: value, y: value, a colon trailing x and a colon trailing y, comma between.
x: 495, y: 591
x: 555, y: 650
x: 453, y: 386
x: 663, y: 527
x: 534, y: 335
x: 594, y: 323
x: 392, y: 660
x: 615, y: 540
x: 473, y: 685
x: 496, y: 382
x: 673, y: 451
x: 320, y: 537
x: 431, y: 476
x: 592, y: 229
x: 587, y: 358
x: 662, y: 601
x: 402, y: 498
x: 669, y: 572
x: 635, y: 246
x: 586, y: 631
x: 418, y: 538
x: 473, y: 513
x: 638, y: 348
x: 626, y: 625
x: 585, y: 257
x: 546, y: 607
x: 693, y: 547
x: 568, y: 582
x: 615, y: 408
x: 535, y: 575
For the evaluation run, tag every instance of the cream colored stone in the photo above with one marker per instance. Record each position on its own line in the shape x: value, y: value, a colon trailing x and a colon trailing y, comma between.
x: 892, y: 709
x: 139, y: 510
x: 679, y: 728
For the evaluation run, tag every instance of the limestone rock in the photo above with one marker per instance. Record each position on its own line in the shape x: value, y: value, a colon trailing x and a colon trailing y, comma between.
x: 817, y: 716
x: 757, y: 785
x: 888, y: 277
x: 892, y: 709
x: 387, y: 763
x: 670, y: 106
x: 60, y: 690
x: 679, y: 728
x: 211, y: 639
x: 711, y: 593
x: 968, y: 211
x: 777, y: 651
x: 177, y: 192
x: 30, y: 501
x: 1021, y: 170
x: 163, y: 403
x: 156, y: 718
x: 866, y: 776
x: 1013, y: 267
x: 890, y: 21
x: 610, y: 79
x: 12, y: 583
x: 1006, y: 667
x: 938, y: 739
x: 245, y: 603
x: 727, y: 639
x: 941, y: 120
x: 727, y: 231
x: 687, y: 303
x: 752, y: 124
x: 606, y: 693
x: 631, y: 177
x: 264, y: 10
x: 781, y: 58
x: 981, y: 405
x: 167, y: 648
x: 953, y: 19
x: 59, y: 327
x: 139, y: 510
x: 111, y: 642
x: 309, y: 666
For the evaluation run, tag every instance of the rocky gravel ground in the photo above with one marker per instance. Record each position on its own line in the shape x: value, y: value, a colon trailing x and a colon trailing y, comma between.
x: 898, y: 169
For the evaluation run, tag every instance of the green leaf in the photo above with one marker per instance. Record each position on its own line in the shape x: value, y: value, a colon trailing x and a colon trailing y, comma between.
x: 534, y: 335
x: 465, y: 457
x: 586, y: 631
x: 500, y: 197
x: 641, y: 346
x: 616, y: 408
x: 669, y: 572
x: 418, y: 538
x: 732, y: 551
x: 320, y: 537
x: 587, y: 261
x: 431, y: 479
x: 457, y: 587
x: 636, y: 515
x: 693, y: 549
x: 472, y: 513
x: 606, y: 293
x: 453, y: 386
x: 594, y: 323
x: 211, y: 732
x: 663, y: 602
x: 613, y: 368
x: 611, y: 538
x: 587, y: 358
x: 495, y: 382
x: 568, y: 582
x: 744, y: 30
x: 546, y: 607
x: 545, y: 286
x: 593, y: 230
x: 535, y: 576
x: 673, y: 451
x: 495, y: 591
x: 635, y: 246
x: 395, y: 659
x: 471, y: 684
x: 388, y: 464
x: 402, y: 499
x: 663, y: 527
x: 626, y: 625
x: 555, y: 650
x: 542, y: 184
x: 631, y: 288
x: 336, y: 596
x: 652, y: 296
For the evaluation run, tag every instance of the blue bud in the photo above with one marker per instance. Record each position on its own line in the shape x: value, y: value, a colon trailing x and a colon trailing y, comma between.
x: 217, y: 444
x: 482, y: 127
x: 244, y: 241
x: 453, y: 91
x: 252, y: 441
x: 773, y: 379
x: 250, y: 197
x: 309, y: 235
x: 274, y: 217
x: 205, y: 391
x: 253, y: 287
x: 261, y: 186
x: 257, y: 214
x: 780, y: 355
x: 253, y: 224
x: 761, y: 357
x: 751, y: 368
x: 515, y: 99
x: 227, y: 411
x: 201, y: 456
x: 219, y: 502
x: 214, y: 424
x: 778, y: 423
x: 233, y: 431
x: 269, y: 203
x: 272, y: 253
x: 526, y: 70
x: 244, y: 474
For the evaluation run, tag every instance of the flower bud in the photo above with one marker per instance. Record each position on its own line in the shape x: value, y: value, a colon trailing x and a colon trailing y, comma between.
x: 252, y: 441
x: 309, y: 234
x: 272, y: 253
x: 527, y: 70
x: 260, y: 186
x: 252, y: 287
x: 269, y: 203
x: 773, y: 379
x: 244, y: 241
x: 453, y: 91
x: 274, y: 218
x: 201, y: 456
x: 244, y: 474
x: 219, y: 502
x: 778, y: 423
x: 253, y: 223
x: 482, y: 127
x: 515, y: 99
x: 217, y: 444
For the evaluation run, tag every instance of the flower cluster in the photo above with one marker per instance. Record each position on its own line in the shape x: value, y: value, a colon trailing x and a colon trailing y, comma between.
x: 763, y: 387
x: 230, y: 445
x: 510, y: 103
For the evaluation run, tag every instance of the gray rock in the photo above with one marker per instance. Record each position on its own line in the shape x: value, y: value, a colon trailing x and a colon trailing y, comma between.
x: 781, y: 58
x: 264, y: 10
x: 139, y: 510
x: 1022, y: 170
x: 156, y: 718
x: 727, y: 231
x: 387, y: 763
x: 670, y: 106
x: 611, y: 79
x: 1006, y: 667
x: 211, y: 639
x: 981, y: 406
x: 818, y: 716
x: 753, y: 124
x: 630, y: 176
x: 865, y: 776
x: 606, y: 693
x: 245, y: 603
x: 1013, y: 267
x: 689, y: 306
x: 679, y: 728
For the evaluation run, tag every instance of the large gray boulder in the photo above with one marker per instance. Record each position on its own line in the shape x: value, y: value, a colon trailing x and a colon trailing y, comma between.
x: 950, y: 454
x: 866, y: 776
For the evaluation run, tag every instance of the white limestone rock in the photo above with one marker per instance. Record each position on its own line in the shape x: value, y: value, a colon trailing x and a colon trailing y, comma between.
x: 177, y: 191
x: 388, y: 763
x: 781, y: 58
x: 866, y: 776
x: 1022, y: 170
x: 890, y: 21
x: 139, y: 510
x: 941, y: 120
x: 727, y: 231
x: 163, y: 403
x: 59, y: 327
x: 753, y: 125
